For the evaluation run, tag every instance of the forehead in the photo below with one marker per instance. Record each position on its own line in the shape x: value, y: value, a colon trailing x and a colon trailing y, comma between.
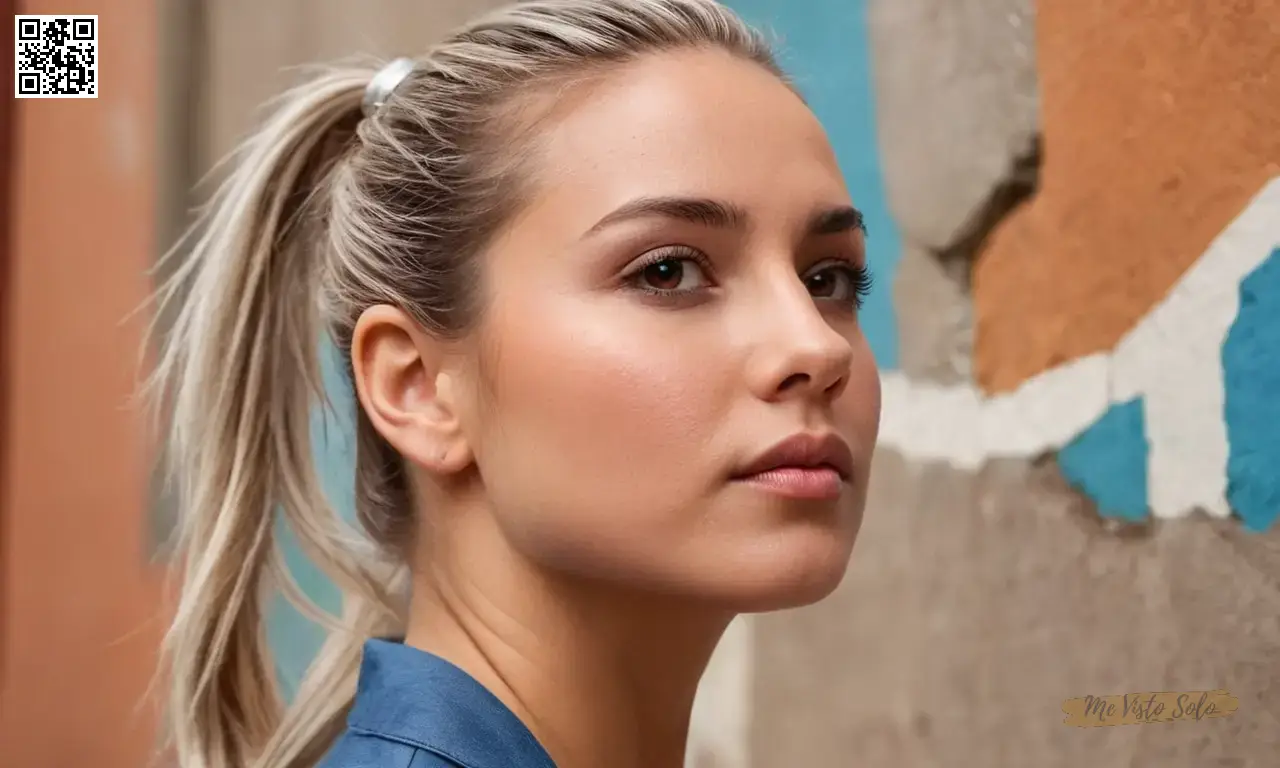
x: 693, y: 122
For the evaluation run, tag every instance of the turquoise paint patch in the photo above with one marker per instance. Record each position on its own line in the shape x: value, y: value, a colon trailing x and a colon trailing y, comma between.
x: 823, y: 45
x: 294, y: 639
x: 1251, y: 384
x: 1108, y: 462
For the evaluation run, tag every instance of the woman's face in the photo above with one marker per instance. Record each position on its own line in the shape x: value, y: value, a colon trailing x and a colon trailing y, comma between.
x: 677, y: 298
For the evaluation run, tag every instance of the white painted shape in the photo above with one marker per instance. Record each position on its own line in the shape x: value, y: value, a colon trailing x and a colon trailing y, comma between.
x: 721, y: 719
x: 1006, y: 430
x: 929, y: 422
x: 955, y: 424
x: 1060, y: 403
x: 1135, y: 361
x: 1186, y: 436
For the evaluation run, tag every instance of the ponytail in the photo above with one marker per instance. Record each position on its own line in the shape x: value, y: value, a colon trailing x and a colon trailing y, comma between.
x: 239, y: 376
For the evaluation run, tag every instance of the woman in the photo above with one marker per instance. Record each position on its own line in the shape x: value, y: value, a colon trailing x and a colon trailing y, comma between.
x: 595, y: 275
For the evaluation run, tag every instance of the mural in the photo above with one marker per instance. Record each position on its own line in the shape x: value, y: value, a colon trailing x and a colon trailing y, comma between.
x: 1120, y: 315
x: 1173, y: 418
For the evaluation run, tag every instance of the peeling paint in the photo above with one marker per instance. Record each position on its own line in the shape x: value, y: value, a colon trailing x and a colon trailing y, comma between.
x: 1171, y: 359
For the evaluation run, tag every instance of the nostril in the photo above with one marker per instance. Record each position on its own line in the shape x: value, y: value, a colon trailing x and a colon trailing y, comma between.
x: 794, y: 380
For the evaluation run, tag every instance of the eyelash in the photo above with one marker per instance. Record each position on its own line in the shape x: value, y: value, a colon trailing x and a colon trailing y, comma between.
x: 860, y: 277
x: 672, y: 253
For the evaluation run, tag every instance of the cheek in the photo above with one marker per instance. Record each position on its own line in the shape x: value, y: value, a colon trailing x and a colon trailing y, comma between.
x: 858, y: 410
x: 602, y: 432
x: 859, y: 405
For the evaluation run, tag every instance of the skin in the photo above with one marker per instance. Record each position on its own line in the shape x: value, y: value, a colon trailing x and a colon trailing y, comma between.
x: 582, y: 544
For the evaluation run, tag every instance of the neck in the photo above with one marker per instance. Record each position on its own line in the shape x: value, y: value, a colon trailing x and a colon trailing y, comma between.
x: 600, y: 675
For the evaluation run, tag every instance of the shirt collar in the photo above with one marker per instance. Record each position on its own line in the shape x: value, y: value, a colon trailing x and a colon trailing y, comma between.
x: 417, y: 698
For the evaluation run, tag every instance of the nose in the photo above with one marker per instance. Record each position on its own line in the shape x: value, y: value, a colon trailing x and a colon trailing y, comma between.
x: 799, y: 355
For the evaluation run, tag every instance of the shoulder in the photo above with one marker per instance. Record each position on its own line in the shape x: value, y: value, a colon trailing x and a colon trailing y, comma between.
x: 416, y: 710
x: 422, y: 759
x: 354, y: 750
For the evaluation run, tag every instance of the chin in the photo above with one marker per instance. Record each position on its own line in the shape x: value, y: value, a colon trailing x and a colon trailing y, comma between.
x: 789, y: 574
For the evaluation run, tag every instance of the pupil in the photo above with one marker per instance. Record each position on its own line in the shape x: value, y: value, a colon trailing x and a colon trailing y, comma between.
x: 665, y: 274
x: 820, y: 284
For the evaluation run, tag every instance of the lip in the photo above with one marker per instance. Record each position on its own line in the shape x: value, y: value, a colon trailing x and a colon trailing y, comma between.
x: 803, y: 451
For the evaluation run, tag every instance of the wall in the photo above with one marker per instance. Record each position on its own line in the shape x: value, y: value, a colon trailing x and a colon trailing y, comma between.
x: 82, y: 605
x: 1121, y: 280
x: 7, y: 147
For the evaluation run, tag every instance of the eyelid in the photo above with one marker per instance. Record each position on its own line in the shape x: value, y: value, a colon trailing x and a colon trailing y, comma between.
x: 855, y: 270
x: 674, y: 252
x: 681, y: 252
x: 851, y: 260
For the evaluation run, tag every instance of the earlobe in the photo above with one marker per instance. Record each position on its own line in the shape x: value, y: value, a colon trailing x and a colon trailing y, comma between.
x: 453, y: 455
x: 455, y: 450
x: 399, y: 381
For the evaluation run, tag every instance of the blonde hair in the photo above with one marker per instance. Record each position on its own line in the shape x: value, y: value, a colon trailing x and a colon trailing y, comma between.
x: 325, y: 214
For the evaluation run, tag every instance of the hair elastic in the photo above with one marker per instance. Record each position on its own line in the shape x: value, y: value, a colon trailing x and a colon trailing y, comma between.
x: 384, y: 83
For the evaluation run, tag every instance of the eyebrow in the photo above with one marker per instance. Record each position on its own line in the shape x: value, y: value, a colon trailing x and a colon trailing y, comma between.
x: 723, y: 215
x: 834, y: 221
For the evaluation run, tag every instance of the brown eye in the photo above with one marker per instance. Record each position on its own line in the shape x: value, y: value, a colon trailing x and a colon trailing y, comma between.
x: 844, y: 283
x: 673, y: 275
x: 823, y: 285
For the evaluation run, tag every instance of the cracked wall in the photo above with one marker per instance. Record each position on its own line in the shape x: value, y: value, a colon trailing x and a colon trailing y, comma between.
x: 1027, y: 327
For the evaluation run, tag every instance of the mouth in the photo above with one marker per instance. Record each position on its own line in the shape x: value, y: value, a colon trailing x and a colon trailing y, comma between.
x: 804, y: 466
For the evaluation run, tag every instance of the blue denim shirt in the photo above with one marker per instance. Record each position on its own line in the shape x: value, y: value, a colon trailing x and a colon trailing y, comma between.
x: 416, y: 710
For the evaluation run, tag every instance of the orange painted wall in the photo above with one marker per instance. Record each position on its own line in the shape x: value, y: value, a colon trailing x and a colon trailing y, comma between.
x: 1161, y: 119
x: 81, y: 605
x: 7, y: 8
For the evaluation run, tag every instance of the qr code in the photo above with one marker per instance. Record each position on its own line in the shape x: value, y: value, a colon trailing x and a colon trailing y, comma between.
x: 57, y: 57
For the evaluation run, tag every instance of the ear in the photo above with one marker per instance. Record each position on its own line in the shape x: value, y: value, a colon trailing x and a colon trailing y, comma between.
x: 403, y: 385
